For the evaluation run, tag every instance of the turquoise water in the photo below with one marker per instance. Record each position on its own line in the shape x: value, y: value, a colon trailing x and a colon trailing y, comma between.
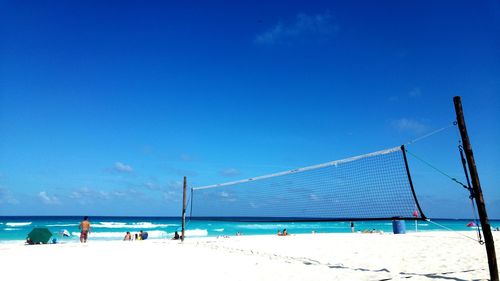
x: 15, y: 229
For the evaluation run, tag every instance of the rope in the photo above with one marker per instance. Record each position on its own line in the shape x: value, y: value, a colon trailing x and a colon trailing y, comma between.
x: 430, y: 134
x: 449, y: 229
x: 479, y: 237
x: 468, y: 186
x: 471, y: 196
x: 438, y: 170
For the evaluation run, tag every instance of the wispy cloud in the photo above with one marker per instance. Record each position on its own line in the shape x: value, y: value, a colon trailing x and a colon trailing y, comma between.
x: 415, y: 93
x: 412, y: 94
x: 230, y: 172
x: 87, y: 195
x: 409, y: 125
x: 304, y: 27
x: 6, y: 197
x: 313, y: 197
x: 122, y: 168
x: 185, y: 157
x: 172, y: 192
x: 48, y: 199
x: 180, y: 172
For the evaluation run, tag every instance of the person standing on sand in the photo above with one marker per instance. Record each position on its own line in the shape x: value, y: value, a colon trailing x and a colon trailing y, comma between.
x: 352, y: 226
x: 85, y: 228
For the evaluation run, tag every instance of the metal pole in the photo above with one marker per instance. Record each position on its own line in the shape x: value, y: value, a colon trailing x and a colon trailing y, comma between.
x: 478, y: 193
x: 184, y: 209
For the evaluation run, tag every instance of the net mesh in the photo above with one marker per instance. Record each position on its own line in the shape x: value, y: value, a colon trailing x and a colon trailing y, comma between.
x: 368, y: 187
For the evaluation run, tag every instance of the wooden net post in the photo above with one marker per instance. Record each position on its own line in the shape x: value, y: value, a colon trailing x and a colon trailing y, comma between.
x: 184, y: 209
x: 478, y: 193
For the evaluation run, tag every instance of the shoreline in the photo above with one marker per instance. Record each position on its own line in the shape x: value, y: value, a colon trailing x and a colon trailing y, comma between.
x: 471, y: 233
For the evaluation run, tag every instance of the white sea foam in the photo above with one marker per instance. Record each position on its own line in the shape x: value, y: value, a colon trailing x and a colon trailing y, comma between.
x: 262, y: 226
x: 139, y: 225
x: 14, y: 224
x: 196, y: 232
x: 57, y: 225
x: 219, y: 229
x: 10, y: 229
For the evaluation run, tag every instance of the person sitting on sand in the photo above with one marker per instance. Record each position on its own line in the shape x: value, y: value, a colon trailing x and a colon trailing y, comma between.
x: 128, y: 236
x: 285, y: 233
x: 176, y: 236
x: 144, y: 235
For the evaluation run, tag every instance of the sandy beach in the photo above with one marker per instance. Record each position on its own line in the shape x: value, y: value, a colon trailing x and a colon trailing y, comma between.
x: 413, y: 256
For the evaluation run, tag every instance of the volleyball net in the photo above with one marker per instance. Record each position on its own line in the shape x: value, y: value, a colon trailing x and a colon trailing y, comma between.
x: 374, y: 186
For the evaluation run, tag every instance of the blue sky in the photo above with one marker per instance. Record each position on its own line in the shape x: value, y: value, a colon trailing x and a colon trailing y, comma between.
x: 104, y: 107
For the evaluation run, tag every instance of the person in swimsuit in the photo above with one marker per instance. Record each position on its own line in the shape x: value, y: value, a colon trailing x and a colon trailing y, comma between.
x: 85, y: 229
x: 128, y: 236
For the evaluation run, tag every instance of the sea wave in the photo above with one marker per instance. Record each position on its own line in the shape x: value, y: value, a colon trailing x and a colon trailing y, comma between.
x: 14, y: 224
x: 57, y: 225
x: 275, y: 226
x: 151, y: 234
x: 138, y: 225
x: 262, y: 226
x: 219, y: 229
x: 196, y: 232
x: 10, y: 229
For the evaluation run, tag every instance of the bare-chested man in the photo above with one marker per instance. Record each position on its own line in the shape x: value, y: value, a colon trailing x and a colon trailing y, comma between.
x: 85, y: 228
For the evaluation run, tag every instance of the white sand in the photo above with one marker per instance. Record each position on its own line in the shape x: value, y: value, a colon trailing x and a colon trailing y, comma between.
x: 414, y: 256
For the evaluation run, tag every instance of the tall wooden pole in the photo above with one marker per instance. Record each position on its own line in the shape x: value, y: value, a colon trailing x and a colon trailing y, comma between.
x: 478, y: 194
x: 184, y: 209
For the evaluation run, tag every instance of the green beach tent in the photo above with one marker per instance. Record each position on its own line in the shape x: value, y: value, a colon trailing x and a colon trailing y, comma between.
x: 40, y: 235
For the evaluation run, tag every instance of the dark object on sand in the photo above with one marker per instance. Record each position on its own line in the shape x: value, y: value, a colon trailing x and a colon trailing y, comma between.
x: 40, y: 235
x: 398, y: 227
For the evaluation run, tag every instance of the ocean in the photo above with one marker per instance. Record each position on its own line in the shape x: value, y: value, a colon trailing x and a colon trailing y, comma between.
x: 16, y: 229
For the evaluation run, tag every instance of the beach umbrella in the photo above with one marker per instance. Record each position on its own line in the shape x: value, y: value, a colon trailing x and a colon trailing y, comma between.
x: 40, y: 235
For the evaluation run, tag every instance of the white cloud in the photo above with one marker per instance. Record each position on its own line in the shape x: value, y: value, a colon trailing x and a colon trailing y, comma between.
x: 123, y: 168
x: 47, y: 199
x: 230, y: 172
x: 409, y: 125
x: 318, y: 26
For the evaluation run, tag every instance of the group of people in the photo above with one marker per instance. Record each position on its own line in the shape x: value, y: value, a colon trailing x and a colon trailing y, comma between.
x: 142, y: 235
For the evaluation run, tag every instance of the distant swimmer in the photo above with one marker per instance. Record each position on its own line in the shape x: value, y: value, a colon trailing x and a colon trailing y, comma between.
x: 85, y: 229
